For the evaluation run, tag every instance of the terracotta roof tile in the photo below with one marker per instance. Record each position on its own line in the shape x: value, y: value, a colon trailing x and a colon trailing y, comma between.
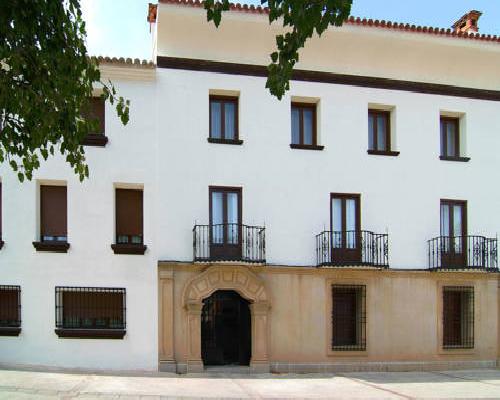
x: 137, y: 63
x: 390, y: 25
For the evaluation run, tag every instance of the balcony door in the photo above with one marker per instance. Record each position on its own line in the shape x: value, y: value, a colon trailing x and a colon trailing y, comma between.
x: 225, y: 223
x: 345, y: 228
x: 453, y: 233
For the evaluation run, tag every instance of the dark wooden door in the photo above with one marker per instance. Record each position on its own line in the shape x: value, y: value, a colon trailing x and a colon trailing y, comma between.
x: 225, y: 329
x: 453, y: 234
x: 225, y: 223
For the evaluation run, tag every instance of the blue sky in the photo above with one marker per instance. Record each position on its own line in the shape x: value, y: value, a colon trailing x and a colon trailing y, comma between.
x: 119, y: 27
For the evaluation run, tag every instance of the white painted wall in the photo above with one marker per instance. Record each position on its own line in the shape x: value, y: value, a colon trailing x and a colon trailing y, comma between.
x: 289, y: 189
x: 165, y: 148
x: 129, y: 157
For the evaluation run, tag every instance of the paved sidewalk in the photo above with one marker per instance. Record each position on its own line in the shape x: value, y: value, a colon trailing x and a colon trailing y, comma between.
x: 16, y: 385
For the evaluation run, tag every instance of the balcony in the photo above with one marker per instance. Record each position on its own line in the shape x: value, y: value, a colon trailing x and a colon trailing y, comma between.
x: 229, y: 242
x: 352, y: 248
x: 463, y: 252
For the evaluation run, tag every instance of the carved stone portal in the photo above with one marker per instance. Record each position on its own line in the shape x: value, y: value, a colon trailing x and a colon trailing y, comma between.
x: 249, y: 286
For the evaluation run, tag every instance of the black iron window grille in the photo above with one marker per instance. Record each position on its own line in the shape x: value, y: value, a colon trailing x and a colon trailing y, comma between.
x: 458, y: 317
x: 90, y: 312
x: 348, y: 317
x: 10, y: 310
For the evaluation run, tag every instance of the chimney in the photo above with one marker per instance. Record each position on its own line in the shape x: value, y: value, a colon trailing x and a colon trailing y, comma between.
x: 152, y: 11
x: 468, y: 23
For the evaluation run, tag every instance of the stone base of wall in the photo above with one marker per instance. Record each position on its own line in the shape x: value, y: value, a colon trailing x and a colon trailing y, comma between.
x: 254, y: 368
x: 339, y: 367
x: 396, y: 366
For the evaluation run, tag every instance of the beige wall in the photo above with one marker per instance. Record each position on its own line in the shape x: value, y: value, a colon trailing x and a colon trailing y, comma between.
x: 357, y: 50
x: 403, y: 316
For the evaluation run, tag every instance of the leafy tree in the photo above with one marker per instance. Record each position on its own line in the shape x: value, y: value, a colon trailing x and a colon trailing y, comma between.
x: 300, y: 18
x: 46, y: 81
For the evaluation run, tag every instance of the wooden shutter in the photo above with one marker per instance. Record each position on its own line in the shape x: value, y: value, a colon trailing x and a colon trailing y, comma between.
x: 53, y: 210
x: 129, y: 214
x: 452, y: 318
x: 96, y: 111
x: 92, y: 308
x: 0, y: 211
x: 9, y: 306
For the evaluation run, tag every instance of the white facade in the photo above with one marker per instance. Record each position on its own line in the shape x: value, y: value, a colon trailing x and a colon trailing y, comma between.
x: 164, y: 150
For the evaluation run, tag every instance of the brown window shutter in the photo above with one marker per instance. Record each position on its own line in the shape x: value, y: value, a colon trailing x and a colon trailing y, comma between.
x: 129, y: 212
x: 96, y: 111
x: 90, y: 307
x: 0, y: 211
x: 53, y: 210
x: 9, y: 306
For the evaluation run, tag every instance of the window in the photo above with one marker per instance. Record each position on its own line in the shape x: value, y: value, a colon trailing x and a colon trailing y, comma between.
x: 304, y: 127
x: 90, y: 312
x: 96, y: 111
x: 53, y: 219
x: 1, y: 241
x: 349, y: 317
x: 458, y: 317
x: 129, y: 222
x: 10, y: 310
x: 453, y: 233
x: 225, y: 222
x: 379, y: 133
x: 345, y: 228
x: 450, y: 139
x: 224, y: 120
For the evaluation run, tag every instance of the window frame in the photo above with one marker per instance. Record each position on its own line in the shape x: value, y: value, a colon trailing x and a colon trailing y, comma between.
x: 450, y: 258
x: 301, y: 106
x: 55, y: 246
x: 466, y: 332
x: 444, y: 119
x: 97, y: 139
x: 129, y: 248
x: 376, y: 113
x: 81, y: 331
x: 15, y: 328
x: 223, y: 100
x: 360, y: 317
x: 226, y: 249
x: 452, y: 203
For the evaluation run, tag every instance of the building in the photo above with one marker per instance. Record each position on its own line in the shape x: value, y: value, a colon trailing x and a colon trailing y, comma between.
x: 350, y: 226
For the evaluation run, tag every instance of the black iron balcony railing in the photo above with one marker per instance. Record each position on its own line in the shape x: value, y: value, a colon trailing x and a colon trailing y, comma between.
x: 463, y: 252
x: 229, y: 242
x: 352, y: 248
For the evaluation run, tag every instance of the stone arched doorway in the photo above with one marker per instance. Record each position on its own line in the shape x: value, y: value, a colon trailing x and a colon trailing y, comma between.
x: 249, y: 286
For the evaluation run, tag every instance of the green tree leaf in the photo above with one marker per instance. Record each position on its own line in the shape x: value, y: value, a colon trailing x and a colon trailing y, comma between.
x: 46, y: 82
